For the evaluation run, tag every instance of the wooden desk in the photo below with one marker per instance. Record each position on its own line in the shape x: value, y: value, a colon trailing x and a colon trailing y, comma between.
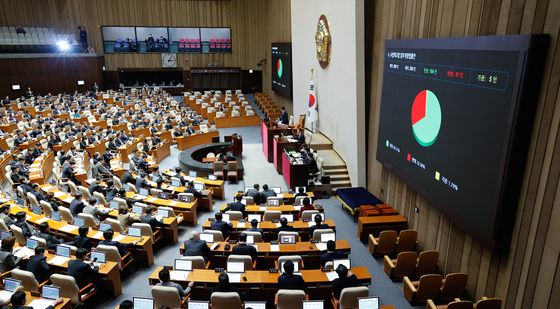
x: 64, y: 146
x: 41, y: 168
x: 374, y: 225
x: 239, y: 121
x: 279, y: 144
x: 97, y: 147
x: 295, y: 175
x: 126, y: 150
x: 162, y: 151
x: 185, y: 212
x: 4, y: 161
x: 216, y: 186
x: 184, y: 142
x: 285, y: 209
x: 289, y: 197
x: 66, y: 302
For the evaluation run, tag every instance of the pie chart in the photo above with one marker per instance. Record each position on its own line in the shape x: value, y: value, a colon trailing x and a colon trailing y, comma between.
x: 426, y: 118
x: 279, y: 68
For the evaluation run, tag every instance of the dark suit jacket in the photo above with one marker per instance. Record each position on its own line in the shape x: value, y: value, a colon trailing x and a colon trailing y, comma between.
x: 284, y: 228
x: 220, y: 226
x: 284, y: 118
x: 236, y: 206
x: 197, y: 248
x: 37, y: 264
x: 81, y: 272
x: 317, y: 227
x: 245, y: 249
x: 339, y: 284
x: 120, y: 246
x: 82, y: 242
x: 291, y: 282
x: 329, y: 256
x: 52, y: 241
x: 76, y: 206
x: 153, y: 222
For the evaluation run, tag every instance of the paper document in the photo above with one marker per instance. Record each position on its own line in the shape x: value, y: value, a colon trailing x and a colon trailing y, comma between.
x: 58, y: 194
x: 331, y: 275
x: 59, y: 260
x: 240, y: 224
x: 41, y: 220
x: 41, y: 303
x: 321, y: 246
x: 68, y: 228
x: 98, y: 235
x: 311, y: 223
x: 274, y: 248
x: 179, y: 275
x: 278, y: 224
x: 234, y: 278
x: 24, y: 252
x: 119, y: 237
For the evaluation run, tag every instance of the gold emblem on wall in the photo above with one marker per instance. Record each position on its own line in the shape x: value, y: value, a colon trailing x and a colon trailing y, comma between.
x: 323, y: 42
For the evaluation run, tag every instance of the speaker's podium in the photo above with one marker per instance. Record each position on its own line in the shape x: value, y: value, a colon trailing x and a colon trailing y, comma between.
x: 295, y: 172
x: 268, y: 131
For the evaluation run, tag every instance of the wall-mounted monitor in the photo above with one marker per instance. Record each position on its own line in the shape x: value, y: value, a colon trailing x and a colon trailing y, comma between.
x: 119, y: 39
x: 152, y: 39
x: 16, y: 87
x: 282, y: 69
x: 184, y: 40
x: 215, y: 40
x: 81, y: 83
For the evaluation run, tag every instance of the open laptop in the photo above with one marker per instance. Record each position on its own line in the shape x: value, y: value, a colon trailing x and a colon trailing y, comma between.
x: 113, y: 205
x: 250, y: 217
x: 192, y: 304
x: 288, y: 217
x: 328, y: 236
x: 296, y: 267
x: 100, y: 256
x: 199, y: 186
x: 175, y: 183
x: 134, y: 232
x: 55, y: 215
x: 143, y: 303
x: 36, y: 209
x: 137, y: 209
x: 313, y: 304
x: 371, y: 302
x: 104, y: 226
x: 11, y: 285
x: 273, y: 202
x: 180, y: 264
x: 207, y: 237
x: 288, y: 239
x: 235, y: 267
x: 162, y: 213
x: 5, y: 234
x: 345, y: 262
x: 63, y: 251
x: 212, y: 177
x: 183, y: 198
x: 164, y: 195
x: 31, y: 244
x: 255, y: 305
x: 143, y: 192
x: 192, y: 174
x: 50, y: 292
x: 78, y: 222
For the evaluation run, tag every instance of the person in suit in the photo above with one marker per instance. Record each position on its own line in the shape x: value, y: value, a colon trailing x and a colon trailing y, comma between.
x: 346, y: 279
x: 284, y: 226
x: 223, y: 284
x: 165, y: 280
x: 289, y: 281
x: 69, y: 172
x: 140, y: 181
x: 284, y: 117
x: 27, y: 229
x: 301, y: 192
x: 266, y: 192
x: 237, y: 205
x: 45, y: 233
x: 192, y: 190
x: 179, y: 176
x: 37, y: 264
x: 126, y: 218
x: 255, y: 227
x: 80, y: 270
x: 77, y: 206
x: 318, y: 224
x: 19, y: 299
x: 108, y: 241
x: 306, y: 206
x: 82, y: 240
x: 196, y: 247
x: 127, y: 177
x: 92, y: 209
x: 7, y: 260
x: 37, y: 193
x: 253, y: 192
x: 5, y: 215
x: 126, y: 304
x: 243, y: 248
x: 150, y: 219
x: 331, y: 253
x: 219, y: 225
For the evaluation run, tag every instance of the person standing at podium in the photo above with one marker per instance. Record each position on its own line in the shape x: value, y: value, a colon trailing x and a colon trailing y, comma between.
x: 284, y: 117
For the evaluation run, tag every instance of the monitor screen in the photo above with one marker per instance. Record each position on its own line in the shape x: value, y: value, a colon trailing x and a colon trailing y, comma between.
x: 313, y: 304
x: 163, y: 195
x: 78, y: 221
x: 55, y: 215
x: 162, y: 213
x: 191, y: 304
x: 31, y: 244
x: 81, y: 83
x: 176, y: 183
x: 288, y: 217
x: 100, y: 256
x: 182, y: 265
x: 207, y: 237
x: 255, y: 304
x: 215, y: 40
x: 113, y: 205
x: 16, y: 87
x: 345, y: 262
x: 5, y: 234
x: 198, y: 186
x: 11, y: 284
x: 212, y: 177
x: 235, y: 267
x: 134, y: 231
x: 282, y: 69
x: 251, y: 217
x: 50, y: 292
x: 325, y: 237
x: 368, y: 303
x: 183, y: 198
x: 36, y: 209
x: 63, y: 251
x: 250, y: 239
x: 137, y: 209
x: 144, y: 192
x: 276, y: 189
x: 152, y: 39
x: 296, y: 267
x: 192, y: 174
x: 273, y: 202
x: 119, y: 39
x: 142, y: 303
x: 104, y: 226
x: 288, y: 239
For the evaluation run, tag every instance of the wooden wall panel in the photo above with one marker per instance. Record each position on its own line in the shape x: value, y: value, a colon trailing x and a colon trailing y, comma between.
x: 528, y: 276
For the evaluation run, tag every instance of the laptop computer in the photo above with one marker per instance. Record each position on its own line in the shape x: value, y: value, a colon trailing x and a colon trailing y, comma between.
x: 31, y: 243
x: 11, y: 285
x: 63, y: 251
x: 144, y: 192
x: 255, y: 305
x: 78, y: 221
x: 5, y: 234
x: 371, y: 302
x: 235, y: 267
x: 104, y: 226
x: 296, y: 267
x: 137, y: 209
x: 134, y: 232
x: 313, y: 304
x: 113, y: 205
x: 55, y: 215
x: 328, y: 236
x: 251, y: 217
x: 288, y: 217
x: 164, y: 195
x: 180, y: 264
x: 175, y: 183
x: 36, y: 209
x: 100, y: 256
x: 50, y: 292
x: 288, y: 239
x: 192, y: 174
x: 162, y: 213
x: 273, y: 202
x: 192, y: 304
x: 199, y: 186
x: 345, y: 262
x: 209, y: 238
x: 212, y: 177
x: 143, y: 303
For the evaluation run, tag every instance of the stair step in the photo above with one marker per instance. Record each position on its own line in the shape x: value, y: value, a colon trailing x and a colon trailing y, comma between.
x: 334, y: 166
x: 336, y: 171
x: 340, y: 184
x: 340, y: 177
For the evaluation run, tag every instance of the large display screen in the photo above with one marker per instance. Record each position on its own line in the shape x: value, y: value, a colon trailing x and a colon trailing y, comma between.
x: 449, y: 113
x: 282, y: 69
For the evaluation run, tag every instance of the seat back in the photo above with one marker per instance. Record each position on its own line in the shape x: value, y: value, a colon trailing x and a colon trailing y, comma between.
x: 309, y: 214
x: 290, y: 299
x: 41, y: 242
x: 273, y: 198
x: 349, y: 296
x: 318, y: 232
x: 246, y: 259
x: 249, y: 200
x: 89, y: 220
x: 218, y: 166
x: 166, y: 296
x: 68, y: 287
x: 460, y: 304
x: 111, y: 253
x: 27, y: 278
x: 294, y: 258
x: 289, y: 233
x: 427, y: 263
x: 197, y: 261
x: 218, y: 236
x: 85, y: 192
x: 454, y: 286
x: 406, y: 263
x: 32, y: 199
x: 121, y: 202
x: 232, y: 166
x: 65, y: 214
x: 234, y: 215
x: 270, y: 215
x: 189, y: 197
x: 117, y: 182
x: 3, y: 226
x: 132, y: 187
x: 406, y: 241
x: 229, y: 300
x: 18, y: 233
x: 299, y: 200
x: 155, y: 192
x: 428, y: 287
x: 72, y: 186
x: 100, y: 198
x: 170, y: 211
x: 115, y: 224
x: 488, y: 303
x: 257, y: 236
x: 145, y: 230
x: 387, y: 242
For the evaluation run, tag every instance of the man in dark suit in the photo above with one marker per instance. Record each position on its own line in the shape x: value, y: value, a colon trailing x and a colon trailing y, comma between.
x: 266, y: 192
x: 255, y: 227
x: 77, y: 206
x: 179, y: 176
x: 331, y: 253
x: 346, y: 279
x: 301, y: 192
x: 148, y: 218
x: 237, y: 205
x: 108, y: 241
x: 82, y: 240
x: 243, y: 248
x: 140, y: 181
x: 219, y: 225
x: 284, y: 226
x: 196, y: 247
x: 45, y: 233
x: 25, y: 227
x: 318, y: 224
x: 37, y: 264
x: 284, y: 117
x: 289, y: 281
x: 81, y: 271
x: 253, y: 192
x: 192, y: 190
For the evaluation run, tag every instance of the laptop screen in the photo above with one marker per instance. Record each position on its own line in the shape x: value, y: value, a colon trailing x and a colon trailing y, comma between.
x: 212, y: 177
x: 137, y: 209
x: 175, y: 183
x: 345, y: 262
x: 183, y: 198
x: 100, y: 256
x: 182, y: 265
x: 142, y: 303
x: 50, y: 292
x: 235, y: 267
x: 288, y: 217
x: 273, y: 202
x: 114, y: 205
x: 368, y: 302
x: 296, y: 267
x: 31, y: 244
x: 225, y: 217
x: 36, y: 209
x: 250, y: 239
x: 63, y: 251
x: 328, y: 236
x: 312, y: 304
x: 79, y: 222
x: 5, y: 234
x: 191, y: 304
x: 163, y: 195
x: 55, y: 215
x: 288, y: 239
x: 209, y: 238
x: 255, y: 304
x: 163, y: 213
x: 192, y: 173
x: 144, y: 192
x: 252, y: 217
x: 104, y: 226
x: 11, y: 284
x: 276, y: 189
x: 134, y: 231
x: 198, y: 186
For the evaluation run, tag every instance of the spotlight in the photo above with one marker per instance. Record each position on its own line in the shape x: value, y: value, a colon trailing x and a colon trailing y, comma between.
x: 63, y: 46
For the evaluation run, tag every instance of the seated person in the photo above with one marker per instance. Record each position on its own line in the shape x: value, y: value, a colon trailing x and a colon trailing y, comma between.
x: 77, y: 206
x: 126, y: 218
x: 243, y: 248
x: 165, y: 280
x: 223, y: 284
x: 37, y: 264
x: 219, y: 225
x: 179, y: 176
x: 255, y: 227
x: 284, y: 226
x: 331, y: 253
x: 5, y: 215
x: 318, y: 224
x: 82, y: 240
x: 45, y: 233
x: 150, y: 219
x: 80, y: 270
x: 92, y: 209
x: 192, y: 190
x: 108, y: 241
x: 253, y: 192
x: 237, y: 205
x: 289, y: 281
x: 346, y: 279
x: 19, y: 299
x: 306, y: 206
x: 301, y: 192
x: 27, y: 229
x: 7, y: 260
x: 266, y: 193
x: 196, y: 247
